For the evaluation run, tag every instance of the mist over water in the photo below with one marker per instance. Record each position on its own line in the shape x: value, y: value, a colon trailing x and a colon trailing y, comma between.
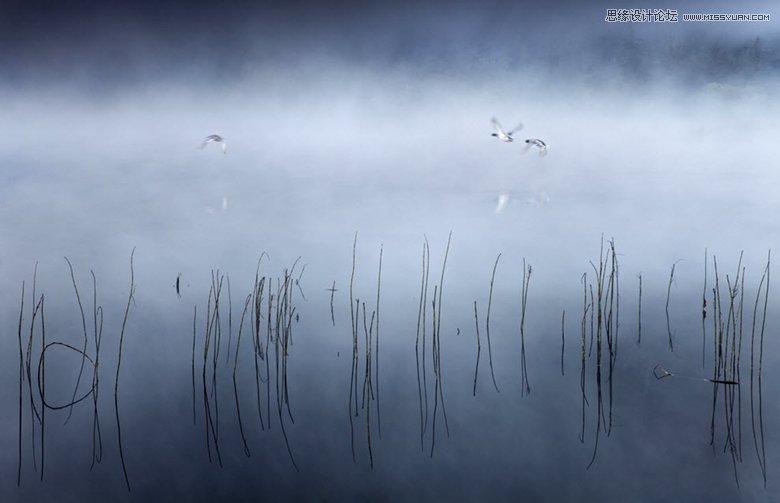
x: 321, y: 161
x: 372, y: 127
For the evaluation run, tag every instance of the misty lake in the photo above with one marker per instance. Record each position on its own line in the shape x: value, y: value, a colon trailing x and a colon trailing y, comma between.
x: 367, y: 297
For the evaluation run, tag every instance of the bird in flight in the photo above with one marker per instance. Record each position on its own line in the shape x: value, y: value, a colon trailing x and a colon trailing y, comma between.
x: 215, y: 138
x: 503, y: 135
x: 536, y: 142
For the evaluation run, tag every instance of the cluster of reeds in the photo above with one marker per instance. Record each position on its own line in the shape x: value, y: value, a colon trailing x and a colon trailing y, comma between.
x: 211, y: 342
x: 726, y: 357
x: 728, y: 327
x: 97, y: 318
x: 39, y: 402
x: 435, y: 347
x: 269, y: 310
x: 757, y: 357
x: 487, y: 333
x: 525, y: 387
x: 36, y: 405
x: 602, y: 306
x: 369, y: 391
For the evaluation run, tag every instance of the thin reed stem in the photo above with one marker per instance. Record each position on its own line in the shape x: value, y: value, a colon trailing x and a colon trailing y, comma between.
x: 97, y: 319
x: 247, y: 302
x: 376, y: 355
x: 479, y: 349
x: 118, y: 366
x: 563, y: 340
x: 487, y: 323
x: 525, y: 387
x: 84, y: 350
x: 422, y: 389
x: 194, y: 331
x: 21, y: 392
x: 668, y: 295
x: 704, y: 312
x: 639, y: 315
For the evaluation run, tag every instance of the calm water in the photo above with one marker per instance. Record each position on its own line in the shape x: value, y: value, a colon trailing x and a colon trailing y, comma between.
x: 666, y: 181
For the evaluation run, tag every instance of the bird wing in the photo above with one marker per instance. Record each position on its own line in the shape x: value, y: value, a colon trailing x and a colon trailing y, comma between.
x: 497, y: 126
x: 214, y: 138
x: 207, y: 140
x: 517, y: 128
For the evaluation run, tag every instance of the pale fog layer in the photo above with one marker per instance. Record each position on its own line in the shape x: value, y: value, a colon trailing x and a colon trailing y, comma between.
x: 666, y: 172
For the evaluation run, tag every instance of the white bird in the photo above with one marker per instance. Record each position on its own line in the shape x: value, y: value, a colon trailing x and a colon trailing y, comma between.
x: 536, y: 142
x: 504, y: 135
x: 215, y: 138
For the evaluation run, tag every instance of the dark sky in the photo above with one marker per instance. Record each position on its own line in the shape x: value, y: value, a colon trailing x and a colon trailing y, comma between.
x: 45, y: 40
x: 36, y: 24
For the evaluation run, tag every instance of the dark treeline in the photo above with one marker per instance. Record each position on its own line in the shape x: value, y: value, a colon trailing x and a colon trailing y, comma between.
x: 690, y: 60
